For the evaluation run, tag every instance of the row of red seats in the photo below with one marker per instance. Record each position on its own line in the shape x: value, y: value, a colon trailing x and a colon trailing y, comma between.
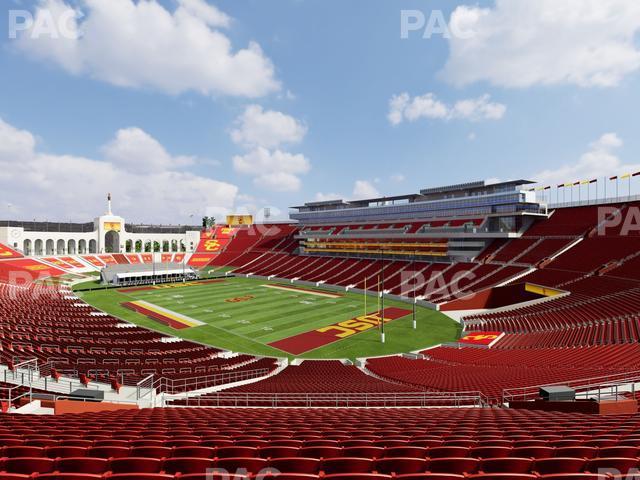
x: 317, y: 441
x: 249, y: 243
x: 345, y: 465
x: 49, y: 325
x: 468, y: 369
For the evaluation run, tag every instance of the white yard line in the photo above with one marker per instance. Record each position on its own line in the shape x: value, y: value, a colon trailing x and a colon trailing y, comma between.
x: 299, y: 290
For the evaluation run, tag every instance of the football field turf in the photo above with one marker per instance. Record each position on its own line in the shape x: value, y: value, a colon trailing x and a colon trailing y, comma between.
x: 246, y: 315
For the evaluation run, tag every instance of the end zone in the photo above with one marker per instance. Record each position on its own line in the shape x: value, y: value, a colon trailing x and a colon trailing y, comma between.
x: 166, y: 317
x: 308, y: 341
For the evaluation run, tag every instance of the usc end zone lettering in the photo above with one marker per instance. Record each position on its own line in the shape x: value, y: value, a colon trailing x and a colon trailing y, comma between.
x: 481, y: 338
x: 323, y: 336
x: 353, y: 326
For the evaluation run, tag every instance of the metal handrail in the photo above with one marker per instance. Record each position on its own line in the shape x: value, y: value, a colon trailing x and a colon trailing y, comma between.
x: 159, y: 385
x: 9, y: 398
x: 408, y: 399
x: 178, y: 386
x: 147, y: 384
x: 583, y: 384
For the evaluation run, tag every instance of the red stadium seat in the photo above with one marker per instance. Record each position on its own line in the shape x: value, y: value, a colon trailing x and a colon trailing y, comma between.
x: 250, y: 465
x: 280, y: 476
x: 506, y: 465
x: 135, y: 465
x: 278, y: 452
x: 320, y: 452
x: 619, y: 464
x: 451, y: 451
x: 367, y: 452
x: 188, y: 465
x: 490, y: 451
x: 431, y: 476
x: 502, y: 476
x: 618, y: 451
x: 537, y: 452
x: 573, y: 476
x: 67, y: 476
x: 65, y: 452
x: 577, y: 452
x: 82, y: 465
x: 357, y: 476
x: 295, y: 465
x: 23, y: 451
x: 246, y: 452
x: 108, y: 452
x: 141, y: 476
x: 151, y: 452
x: 406, y: 451
x: 28, y: 465
x: 545, y: 466
x: 401, y: 465
x: 347, y: 465
x: 457, y: 465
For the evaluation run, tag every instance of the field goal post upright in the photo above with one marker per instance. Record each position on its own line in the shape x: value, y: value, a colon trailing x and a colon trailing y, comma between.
x: 365, y: 296
x: 382, y: 332
x: 413, y: 267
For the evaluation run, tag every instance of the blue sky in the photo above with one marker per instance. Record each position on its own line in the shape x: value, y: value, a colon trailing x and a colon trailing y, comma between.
x: 149, y: 103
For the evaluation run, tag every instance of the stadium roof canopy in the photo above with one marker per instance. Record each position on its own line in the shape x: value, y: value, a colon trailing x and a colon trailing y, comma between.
x: 425, y: 194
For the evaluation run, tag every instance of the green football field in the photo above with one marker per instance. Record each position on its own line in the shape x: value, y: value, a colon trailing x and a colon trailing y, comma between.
x: 243, y: 315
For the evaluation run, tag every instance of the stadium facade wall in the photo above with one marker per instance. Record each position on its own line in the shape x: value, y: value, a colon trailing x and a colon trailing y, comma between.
x: 109, y: 236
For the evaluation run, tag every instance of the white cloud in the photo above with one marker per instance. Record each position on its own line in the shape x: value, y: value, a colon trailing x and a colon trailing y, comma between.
x: 363, y: 189
x: 201, y: 9
x: 136, y: 151
x: 141, y: 44
x: 403, y: 107
x: 325, y: 197
x: 397, y: 178
x: 273, y: 170
x: 520, y: 43
x: 599, y: 161
x: 262, y: 132
x: 257, y: 127
x: 278, y: 182
x: 261, y: 161
x: 472, y: 136
x: 61, y: 187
